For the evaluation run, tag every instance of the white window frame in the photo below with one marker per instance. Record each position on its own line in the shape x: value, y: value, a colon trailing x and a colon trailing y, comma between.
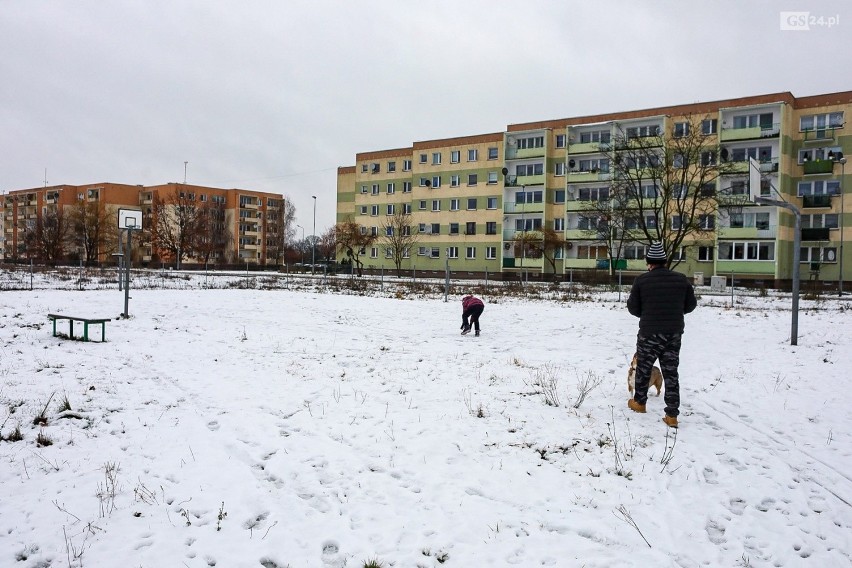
x: 491, y: 253
x: 472, y: 155
x: 470, y: 253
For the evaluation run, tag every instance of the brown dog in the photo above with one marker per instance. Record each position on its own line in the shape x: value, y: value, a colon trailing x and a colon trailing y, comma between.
x: 656, y: 377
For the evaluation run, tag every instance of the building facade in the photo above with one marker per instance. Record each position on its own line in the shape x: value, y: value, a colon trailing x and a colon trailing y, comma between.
x: 250, y: 222
x: 472, y: 198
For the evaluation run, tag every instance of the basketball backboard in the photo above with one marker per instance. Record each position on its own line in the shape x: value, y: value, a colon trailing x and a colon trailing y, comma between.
x: 130, y: 219
x: 754, y: 178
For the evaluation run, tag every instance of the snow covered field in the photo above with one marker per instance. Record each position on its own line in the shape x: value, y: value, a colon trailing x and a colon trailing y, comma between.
x: 273, y: 428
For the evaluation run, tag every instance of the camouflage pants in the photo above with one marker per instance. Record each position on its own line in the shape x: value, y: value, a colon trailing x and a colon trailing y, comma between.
x: 666, y: 348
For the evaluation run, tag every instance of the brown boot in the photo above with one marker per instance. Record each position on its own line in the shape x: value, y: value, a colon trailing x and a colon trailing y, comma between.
x: 671, y: 421
x: 635, y: 406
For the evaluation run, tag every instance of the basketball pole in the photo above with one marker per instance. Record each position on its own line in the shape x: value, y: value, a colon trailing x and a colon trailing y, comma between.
x: 127, y: 275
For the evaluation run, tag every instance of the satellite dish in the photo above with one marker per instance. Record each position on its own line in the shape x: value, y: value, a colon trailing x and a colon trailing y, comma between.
x: 511, y: 141
x: 724, y: 154
x: 571, y: 163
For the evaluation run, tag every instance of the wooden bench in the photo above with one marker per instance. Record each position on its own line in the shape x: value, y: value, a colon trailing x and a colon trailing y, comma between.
x: 85, y: 321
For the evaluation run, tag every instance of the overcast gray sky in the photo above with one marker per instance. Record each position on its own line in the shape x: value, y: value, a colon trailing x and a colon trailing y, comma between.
x: 274, y: 95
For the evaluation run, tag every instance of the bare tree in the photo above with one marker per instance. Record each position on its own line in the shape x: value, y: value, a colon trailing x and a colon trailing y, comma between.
x: 399, y: 236
x: 353, y: 239
x: 281, y: 229
x: 550, y: 241
x: 176, y: 225
x: 327, y: 245
x: 49, y: 237
x: 213, y: 238
x: 662, y: 187
x: 93, y: 229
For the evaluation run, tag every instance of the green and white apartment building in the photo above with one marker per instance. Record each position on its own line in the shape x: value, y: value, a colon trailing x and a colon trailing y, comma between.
x: 470, y: 196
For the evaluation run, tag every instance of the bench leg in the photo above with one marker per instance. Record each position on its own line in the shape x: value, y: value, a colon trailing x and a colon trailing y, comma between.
x: 54, y: 328
x: 71, y: 329
x: 85, y: 331
x: 103, y: 332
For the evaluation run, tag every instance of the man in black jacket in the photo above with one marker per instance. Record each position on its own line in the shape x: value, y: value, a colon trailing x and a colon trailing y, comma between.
x: 659, y: 298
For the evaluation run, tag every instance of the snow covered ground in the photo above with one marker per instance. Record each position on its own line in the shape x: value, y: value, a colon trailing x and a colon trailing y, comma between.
x: 303, y: 428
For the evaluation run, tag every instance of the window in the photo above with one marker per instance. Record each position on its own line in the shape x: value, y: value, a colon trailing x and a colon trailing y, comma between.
x: 406, y: 165
x: 708, y: 158
x: 590, y: 222
x: 819, y: 122
x: 527, y: 224
x: 436, y: 182
x: 389, y: 252
x: 470, y: 228
x: 761, y: 153
x: 709, y: 126
x: 436, y: 158
x: 748, y: 250
x: 529, y: 169
x: 492, y: 178
x: 471, y: 179
x: 391, y: 209
x: 559, y: 168
x: 643, y: 131
x: 435, y: 252
x: 471, y: 204
x: 454, y: 204
x: 707, y: 222
x: 531, y: 142
x: 470, y: 253
x: 595, y: 165
x: 422, y: 205
x: 490, y: 253
x: 592, y: 194
x: 820, y: 221
x: 535, y: 196
x: 374, y: 252
x: 454, y: 228
x: 818, y: 254
x: 406, y: 208
x: 452, y: 252
x: 424, y: 158
x: 375, y: 210
x: 597, y: 136
x: 364, y: 189
x: 375, y: 189
x: 436, y: 228
x: 455, y: 180
x: 365, y: 168
x: 491, y: 202
x: 678, y: 160
x: 391, y: 167
x: 816, y: 154
x: 363, y: 210
x: 492, y: 153
x: 406, y: 252
x: 559, y: 224
x: 822, y: 187
x: 560, y: 140
x: 705, y: 254
x: 681, y: 129
x: 490, y: 227
x: 559, y: 196
x: 375, y: 168
x: 391, y: 188
x: 455, y: 157
x: 406, y: 187
x: 436, y: 205
x: 472, y: 155
x: 424, y: 182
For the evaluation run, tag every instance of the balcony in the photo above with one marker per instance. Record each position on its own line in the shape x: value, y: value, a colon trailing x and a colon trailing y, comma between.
x: 588, y: 148
x: 816, y: 201
x: 769, y: 166
x: 821, y: 234
x: 764, y: 131
x: 522, y: 153
x: 818, y: 167
x: 514, y: 207
x: 760, y: 231
x: 820, y: 135
x: 584, y: 176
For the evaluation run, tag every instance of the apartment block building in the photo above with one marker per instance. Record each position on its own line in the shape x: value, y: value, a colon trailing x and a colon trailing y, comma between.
x: 250, y: 220
x: 471, y: 197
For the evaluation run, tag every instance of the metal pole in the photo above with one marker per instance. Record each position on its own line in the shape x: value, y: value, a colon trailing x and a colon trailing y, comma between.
x: 120, y: 265
x: 797, y: 243
x: 314, y: 237
x: 447, y: 278
x: 126, y: 313
x: 840, y: 266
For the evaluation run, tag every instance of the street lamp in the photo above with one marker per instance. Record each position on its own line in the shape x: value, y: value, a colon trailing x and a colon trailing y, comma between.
x: 302, y: 247
x: 841, y: 159
x: 314, y: 237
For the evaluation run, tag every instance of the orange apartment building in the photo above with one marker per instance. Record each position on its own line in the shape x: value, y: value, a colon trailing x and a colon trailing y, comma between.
x: 251, y: 218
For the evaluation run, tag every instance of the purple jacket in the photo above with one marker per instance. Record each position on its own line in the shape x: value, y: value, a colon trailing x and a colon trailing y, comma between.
x: 470, y: 301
